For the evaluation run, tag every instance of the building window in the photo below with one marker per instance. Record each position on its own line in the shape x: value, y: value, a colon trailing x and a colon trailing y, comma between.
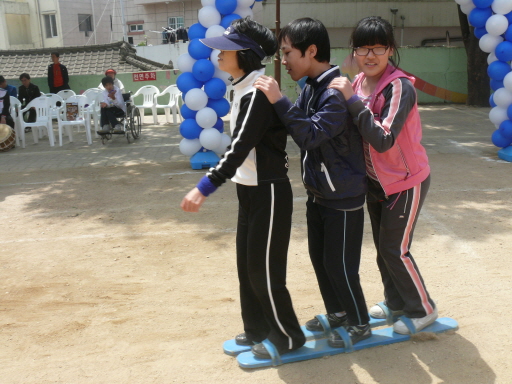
x: 85, y: 23
x: 136, y: 27
x: 176, y: 22
x: 50, y: 24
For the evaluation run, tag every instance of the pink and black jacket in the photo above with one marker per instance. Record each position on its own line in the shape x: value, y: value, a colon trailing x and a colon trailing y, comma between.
x: 393, y: 131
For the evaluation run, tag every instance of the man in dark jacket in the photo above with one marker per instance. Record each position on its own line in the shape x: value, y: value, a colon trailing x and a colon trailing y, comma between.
x: 333, y: 173
x: 58, y: 78
x: 26, y: 93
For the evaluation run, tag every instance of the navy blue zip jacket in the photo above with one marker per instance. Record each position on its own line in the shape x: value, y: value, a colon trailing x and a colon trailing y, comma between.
x: 333, y: 166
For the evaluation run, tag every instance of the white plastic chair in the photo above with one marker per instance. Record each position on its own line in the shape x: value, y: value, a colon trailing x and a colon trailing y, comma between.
x: 56, y: 103
x: 83, y: 118
x: 93, y: 96
x: 15, y: 114
x: 66, y: 93
x: 43, y: 119
x: 148, y: 93
x: 172, y: 105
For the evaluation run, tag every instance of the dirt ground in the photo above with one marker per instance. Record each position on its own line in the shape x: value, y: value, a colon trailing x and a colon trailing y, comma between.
x: 104, y: 279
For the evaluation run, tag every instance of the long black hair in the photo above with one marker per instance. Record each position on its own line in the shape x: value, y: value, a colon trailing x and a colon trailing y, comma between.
x: 248, y: 60
x: 374, y: 30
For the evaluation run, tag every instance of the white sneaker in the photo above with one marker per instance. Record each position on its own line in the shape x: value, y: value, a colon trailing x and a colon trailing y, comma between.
x: 105, y: 129
x: 419, y: 323
x: 378, y: 313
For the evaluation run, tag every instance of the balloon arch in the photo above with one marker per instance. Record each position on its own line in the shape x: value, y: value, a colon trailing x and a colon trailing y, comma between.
x: 492, y: 20
x: 203, y: 84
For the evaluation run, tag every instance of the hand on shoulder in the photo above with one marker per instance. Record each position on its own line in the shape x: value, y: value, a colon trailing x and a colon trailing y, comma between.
x: 343, y: 85
x: 268, y: 85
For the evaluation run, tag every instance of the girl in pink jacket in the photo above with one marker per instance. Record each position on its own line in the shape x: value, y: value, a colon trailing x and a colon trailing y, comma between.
x: 382, y: 101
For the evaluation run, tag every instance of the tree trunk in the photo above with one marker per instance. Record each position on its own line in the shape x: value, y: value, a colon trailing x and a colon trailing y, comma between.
x: 479, y: 89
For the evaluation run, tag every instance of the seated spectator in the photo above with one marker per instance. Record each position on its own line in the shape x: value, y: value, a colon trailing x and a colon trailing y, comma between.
x: 26, y: 93
x: 112, y: 73
x: 10, y: 88
x: 5, y: 104
x: 112, y: 106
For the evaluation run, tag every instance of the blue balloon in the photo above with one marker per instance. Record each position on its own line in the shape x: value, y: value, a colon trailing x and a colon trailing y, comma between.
x: 219, y: 125
x: 496, y: 84
x: 504, y: 51
x: 478, y: 17
x: 187, y: 113
x: 500, y: 141
x: 220, y: 106
x: 196, y: 31
x: 491, y: 101
x: 497, y: 70
x: 203, y: 70
x: 508, y: 32
x: 509, y: 17
x: 215, y: 88
x: 479, y: 32
x: 227, y: 20
x: 509, y: 111
x: 225, y: 7
x: 189, y: 129
x: 198, y: 50
x: 506, y: 129
x: 482, y: 3
x: 186, y: 81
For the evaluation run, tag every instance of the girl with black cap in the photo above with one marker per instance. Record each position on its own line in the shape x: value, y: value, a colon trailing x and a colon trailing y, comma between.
x: 257, y: 162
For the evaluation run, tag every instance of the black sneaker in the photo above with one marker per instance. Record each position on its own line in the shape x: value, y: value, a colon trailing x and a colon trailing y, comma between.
x: 334, y: 321
x: 260, y: 351
x: 242, y: 339
x: 356, y: 332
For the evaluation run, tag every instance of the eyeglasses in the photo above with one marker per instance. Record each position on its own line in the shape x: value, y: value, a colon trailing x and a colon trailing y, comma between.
x: 377, y: 51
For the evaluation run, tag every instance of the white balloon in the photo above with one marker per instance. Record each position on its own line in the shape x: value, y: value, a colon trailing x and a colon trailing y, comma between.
x: 189, y: 147
x: 224, y: 76
x: 185, y: 62
x: 498, y: 115
x: 206, y: 3
x: 224, y: 144
x: 215, y: 31
x: 210, y: 138
x: 467, y: 8
x: 491, y: 58
x: 208, y: 16
x: 196, y: 99
x: 501, y: 7
x: 489, y: 42
x: 502, y: 98
x: 206, y: 117
x: 214, y: 58
x: 244, y: 12
x: 507, y: 82
x: 463, y: 2
x: 496, y: 25
x: 248, y: 3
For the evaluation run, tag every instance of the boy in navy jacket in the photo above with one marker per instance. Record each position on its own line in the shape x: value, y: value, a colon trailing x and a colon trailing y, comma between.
x: 333, y: 173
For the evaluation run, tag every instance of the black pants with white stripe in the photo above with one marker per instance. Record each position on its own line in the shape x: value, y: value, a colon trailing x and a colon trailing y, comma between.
x: 393, y: 222
x: 263, y: 235
x: 335, y: 238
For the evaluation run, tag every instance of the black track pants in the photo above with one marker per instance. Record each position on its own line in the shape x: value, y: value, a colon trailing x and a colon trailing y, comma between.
x: 335, y: 238
x: 263, y: 235
x: 393, y: 222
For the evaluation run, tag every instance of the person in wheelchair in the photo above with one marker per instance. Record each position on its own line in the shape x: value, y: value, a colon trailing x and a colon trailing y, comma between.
x: 112, y: 107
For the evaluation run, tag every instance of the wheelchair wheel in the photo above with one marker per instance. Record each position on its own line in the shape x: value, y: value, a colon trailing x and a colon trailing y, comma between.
x: 135, y: 122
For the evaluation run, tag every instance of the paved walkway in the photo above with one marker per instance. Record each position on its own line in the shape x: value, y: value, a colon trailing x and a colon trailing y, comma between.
x: 447, y: 129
